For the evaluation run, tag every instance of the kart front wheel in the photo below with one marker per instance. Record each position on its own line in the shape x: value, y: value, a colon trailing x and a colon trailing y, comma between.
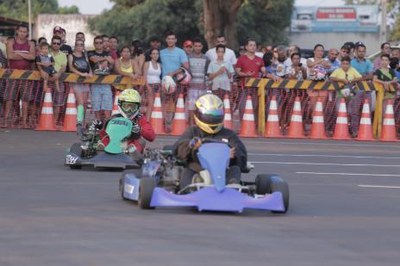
x: 146, y: 188
x: 283, y: 187
x: 263, y: 184
x: 77, y: 150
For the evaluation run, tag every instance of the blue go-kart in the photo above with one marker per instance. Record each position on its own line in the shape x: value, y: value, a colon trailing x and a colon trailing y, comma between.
x: 157, y: 184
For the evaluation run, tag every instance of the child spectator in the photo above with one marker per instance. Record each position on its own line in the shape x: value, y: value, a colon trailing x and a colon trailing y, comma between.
x: 45, y: 64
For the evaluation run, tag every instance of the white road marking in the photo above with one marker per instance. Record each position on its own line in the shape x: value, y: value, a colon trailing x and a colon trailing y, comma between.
x: 323, y: 155
x: 328, y: 164
x: 349, y: 174
x: 378, y: 186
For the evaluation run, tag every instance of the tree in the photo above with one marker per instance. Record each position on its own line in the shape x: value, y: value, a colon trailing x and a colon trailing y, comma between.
x: 18, y: 9
x: 264, y: 20
x: 220, y: 18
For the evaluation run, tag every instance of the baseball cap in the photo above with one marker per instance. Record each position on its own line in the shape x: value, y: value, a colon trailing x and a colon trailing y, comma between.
x: 57, y: 29
x: 188, y: 43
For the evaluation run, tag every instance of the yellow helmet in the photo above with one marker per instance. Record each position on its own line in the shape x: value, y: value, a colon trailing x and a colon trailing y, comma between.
x: 129, y: 103
x: 209, y: 113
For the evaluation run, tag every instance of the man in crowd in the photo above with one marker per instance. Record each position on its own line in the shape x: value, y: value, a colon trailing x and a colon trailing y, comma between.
x: 229, y: 53
x: 155, y: 43
x: 102, y: 64
x: 249, y: 66
x: 114, y: 47
x: 172, y: 59
x: 20, y: 53
x: 60, y: 32
x: 332, y: 59
x: 188, y: 47
x: 198, y: 63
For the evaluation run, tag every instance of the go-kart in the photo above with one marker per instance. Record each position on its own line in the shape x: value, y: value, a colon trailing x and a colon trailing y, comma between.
x: 157, y: 184
x: 114, y: 155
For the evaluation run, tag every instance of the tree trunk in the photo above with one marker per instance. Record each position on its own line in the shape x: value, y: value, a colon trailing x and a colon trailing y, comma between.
x: 220, y: 19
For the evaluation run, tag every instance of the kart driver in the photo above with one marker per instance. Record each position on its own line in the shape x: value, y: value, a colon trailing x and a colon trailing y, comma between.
x: 208, y: 118
x: 129, y: 107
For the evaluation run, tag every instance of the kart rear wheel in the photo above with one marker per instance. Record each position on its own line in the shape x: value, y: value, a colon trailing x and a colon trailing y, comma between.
x: 121, y: 188
x: 146, y: 188
x: 263, y: 184
x: 77, y: 150
x: 281, y: 186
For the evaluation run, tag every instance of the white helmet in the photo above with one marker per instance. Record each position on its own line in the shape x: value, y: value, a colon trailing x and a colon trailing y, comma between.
x: 168, y: 85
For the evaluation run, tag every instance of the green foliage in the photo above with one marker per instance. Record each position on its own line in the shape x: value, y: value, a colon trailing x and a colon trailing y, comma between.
x: 264, y: 20
x: 153, y: 17
x: 68, y: 10
x: 18, y: 9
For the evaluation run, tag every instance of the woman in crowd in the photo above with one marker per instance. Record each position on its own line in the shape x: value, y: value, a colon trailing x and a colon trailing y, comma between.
x: 79, y: 64
x: 126, y: 66
x: 152, y: 74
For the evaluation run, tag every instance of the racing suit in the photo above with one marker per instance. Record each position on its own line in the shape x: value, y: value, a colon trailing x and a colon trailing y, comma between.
x: 141, y: 128
x: 184, y: 152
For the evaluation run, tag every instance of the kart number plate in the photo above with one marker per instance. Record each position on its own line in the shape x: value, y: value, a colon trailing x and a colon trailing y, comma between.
x: 70, y: 159
x: 129, y: 188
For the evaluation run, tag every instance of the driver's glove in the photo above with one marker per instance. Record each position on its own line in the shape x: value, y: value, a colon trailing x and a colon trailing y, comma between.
x: 136, y: 128
x: 96, y: 124
x: 195, y: 143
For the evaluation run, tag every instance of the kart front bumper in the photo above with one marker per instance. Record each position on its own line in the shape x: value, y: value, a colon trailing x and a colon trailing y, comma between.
x: 210, y: 199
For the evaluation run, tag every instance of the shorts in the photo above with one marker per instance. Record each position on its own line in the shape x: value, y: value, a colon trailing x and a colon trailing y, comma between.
x: 101, y: 97
x: 58, y: 97
x: 80, y: 87
x: 18, y: 89
x: 192, y: 95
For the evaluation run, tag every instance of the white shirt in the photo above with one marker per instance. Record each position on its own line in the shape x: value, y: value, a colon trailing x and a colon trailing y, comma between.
x: 229, y: 55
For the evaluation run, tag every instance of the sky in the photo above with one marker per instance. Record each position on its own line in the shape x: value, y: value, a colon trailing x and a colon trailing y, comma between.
x: 96, y: 6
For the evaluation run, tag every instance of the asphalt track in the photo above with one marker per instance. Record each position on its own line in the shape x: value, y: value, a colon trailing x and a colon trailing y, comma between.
x: 344, y: 210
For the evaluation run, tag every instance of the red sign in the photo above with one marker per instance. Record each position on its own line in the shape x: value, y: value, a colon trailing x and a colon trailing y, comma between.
x: 336, y: 14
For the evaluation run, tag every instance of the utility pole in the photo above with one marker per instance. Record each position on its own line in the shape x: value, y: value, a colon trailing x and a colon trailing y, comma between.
x: 30, y: 19
x: 383, y: 29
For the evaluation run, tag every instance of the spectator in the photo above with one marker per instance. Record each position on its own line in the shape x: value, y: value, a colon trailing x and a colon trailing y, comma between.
x: 60, y: 65
x: 344, y: 51
x: 220, y: 73
x: 155, y: 43
x: 126, y: 66
x: 20, y: 53
x: 387, y: 77
x: 79, y: 64
x: 80, y: 36
x: 114, y: 47
x: 291, y: 50
x: 333, y: 60
x: 60, y: 32
x: 188, y: 47
x: 45, y: 64
x: 242, y: 50
x: 42, y: 40
x: 198, y: 64
x: 249, y: 66
x: 365, y: 68
x: 385, y: 50
x: 395, y: 53
x: 172, y: 59
x: 106, y: 43
x: 352, y: 47
x: 347, y: 75
x: 101, y: 63
x: 278, y: 64
x: 152, y: 74
x: 229, y: 54
x: 137, y: 55
x: 297, y: 70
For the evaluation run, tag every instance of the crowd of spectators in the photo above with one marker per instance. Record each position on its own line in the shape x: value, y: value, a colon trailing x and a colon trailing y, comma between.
x: 219, y: 69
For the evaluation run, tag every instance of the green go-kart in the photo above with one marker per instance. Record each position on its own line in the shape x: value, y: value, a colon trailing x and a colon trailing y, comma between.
x: 113, y: 155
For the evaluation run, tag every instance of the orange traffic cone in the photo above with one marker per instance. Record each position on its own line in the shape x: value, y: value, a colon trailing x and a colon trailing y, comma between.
x: 388, y: 127
x: 70, y: 113
x: 115, y: 109
x: 318, y: 125
x: 365, y: 129
x: 296, y: 121
x: 272, y: 127
x: 248, y: 125
x: 342, y: 127
x: 157, y: 120
x: 228, y: 114
x: 46, y: 120
x: 179, y: 124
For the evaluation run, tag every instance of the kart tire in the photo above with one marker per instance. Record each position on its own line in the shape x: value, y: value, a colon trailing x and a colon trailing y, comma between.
x: 77, y: 150
x: 278, y: 184
x: 146, y: 189
x: 121, y: 188
x: 263, y: 184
